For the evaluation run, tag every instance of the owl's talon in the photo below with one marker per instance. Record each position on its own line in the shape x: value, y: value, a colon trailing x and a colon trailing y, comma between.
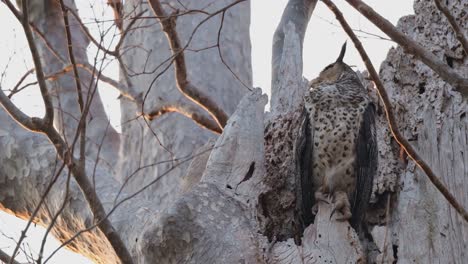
x: 344, y: 217
x: 322, y: 196
x: 315, y: 209
x: 343, y: 206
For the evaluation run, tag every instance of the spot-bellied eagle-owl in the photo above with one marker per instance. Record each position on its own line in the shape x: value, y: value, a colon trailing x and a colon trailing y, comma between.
x: 342, y: 155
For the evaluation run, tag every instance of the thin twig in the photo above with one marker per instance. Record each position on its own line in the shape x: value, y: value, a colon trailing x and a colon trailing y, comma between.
x: 79, y: 90
x: 19, y: 16
x: 354, y: 29
x: 17, y: 88
x: 55, y: 217
x: 412, y: 47
x: 404, y: 144
x: 88, y: 34
x: 456, y: 28
x: 218, y: 44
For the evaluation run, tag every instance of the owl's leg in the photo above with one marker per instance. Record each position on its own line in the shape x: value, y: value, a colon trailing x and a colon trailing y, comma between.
x: 322, y: 194
x: 342, y: 205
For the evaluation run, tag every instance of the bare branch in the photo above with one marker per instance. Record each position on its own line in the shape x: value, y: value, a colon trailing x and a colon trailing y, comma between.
x: 218, y: 44
x: 369, y: 34
x: 89, y: 68
x: 91, y: 196
x: 412, y: 47
x: 183, y: 84
x: 88, y: 34
x: 192, y: 113
x: 49, y: 115
x: 17, y: 87
x: 456, y: 28
x: 79, y: 90
x: 79, y: 174
x: 45, y: 126
x: 23, y: 119
x: 391, y: 116
x: 36, y: 30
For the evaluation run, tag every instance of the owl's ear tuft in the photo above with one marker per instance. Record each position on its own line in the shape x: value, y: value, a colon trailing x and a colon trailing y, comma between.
x: 342, y: 53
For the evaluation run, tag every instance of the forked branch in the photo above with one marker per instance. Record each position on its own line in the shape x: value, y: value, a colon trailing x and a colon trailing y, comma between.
x: 412, y: 47
x: 405, y: 145
x: 183, y: 84
x: 45, y: 126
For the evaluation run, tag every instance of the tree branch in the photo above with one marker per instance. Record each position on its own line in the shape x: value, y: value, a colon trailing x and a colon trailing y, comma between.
x: 82, y: 123
x: 183, y: 84
x: 412, y: 47
x: 49, y: 113
x: 17, y: 87
x: 456, y: 28
x: 192, y: 113
x: 39, y: 125
x: 405, y: 145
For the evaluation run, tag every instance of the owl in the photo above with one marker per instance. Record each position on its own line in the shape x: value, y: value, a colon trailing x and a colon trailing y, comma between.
x: 342, y: 156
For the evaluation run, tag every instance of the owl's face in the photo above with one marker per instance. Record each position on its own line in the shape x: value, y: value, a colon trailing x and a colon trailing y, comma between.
x: 332, y: 74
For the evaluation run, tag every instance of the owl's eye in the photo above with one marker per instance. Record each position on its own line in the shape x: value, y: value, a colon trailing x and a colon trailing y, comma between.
x: 328, y: 67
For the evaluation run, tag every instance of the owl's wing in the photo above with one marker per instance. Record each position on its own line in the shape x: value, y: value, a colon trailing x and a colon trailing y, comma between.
x: 366, y: 166
x: 304, y: 159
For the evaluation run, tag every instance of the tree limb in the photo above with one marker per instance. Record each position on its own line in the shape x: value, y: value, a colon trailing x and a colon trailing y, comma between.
x: 412, y: 47
x: 298, y: 13
x: 84, y: 110
x: 405, y: 145
x: 456, y: 28
x: 17, y: 87
x: 185, y: 86
x: 192, y: 113
x: 39, y: 125
x: 49, y: 109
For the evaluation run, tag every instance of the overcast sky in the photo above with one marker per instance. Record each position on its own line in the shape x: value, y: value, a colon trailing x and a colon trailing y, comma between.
x: 321, y: 47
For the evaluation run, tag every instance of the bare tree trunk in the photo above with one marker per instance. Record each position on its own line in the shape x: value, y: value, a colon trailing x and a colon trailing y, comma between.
x: 423, y: 228
x: 187, y: 195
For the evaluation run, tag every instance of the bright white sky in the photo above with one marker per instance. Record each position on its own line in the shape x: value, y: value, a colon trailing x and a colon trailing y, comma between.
x: 321, y: 47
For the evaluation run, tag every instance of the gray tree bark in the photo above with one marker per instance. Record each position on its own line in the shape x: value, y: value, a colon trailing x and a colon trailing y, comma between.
x: 187, y: 195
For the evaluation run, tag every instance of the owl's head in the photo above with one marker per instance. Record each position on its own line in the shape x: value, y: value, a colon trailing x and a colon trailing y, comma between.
x: 334, y: 72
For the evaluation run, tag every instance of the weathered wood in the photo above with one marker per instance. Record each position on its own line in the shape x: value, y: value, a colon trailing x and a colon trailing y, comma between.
x: 432, y: 115
x: 214, y: 221
x: 326, y: 241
